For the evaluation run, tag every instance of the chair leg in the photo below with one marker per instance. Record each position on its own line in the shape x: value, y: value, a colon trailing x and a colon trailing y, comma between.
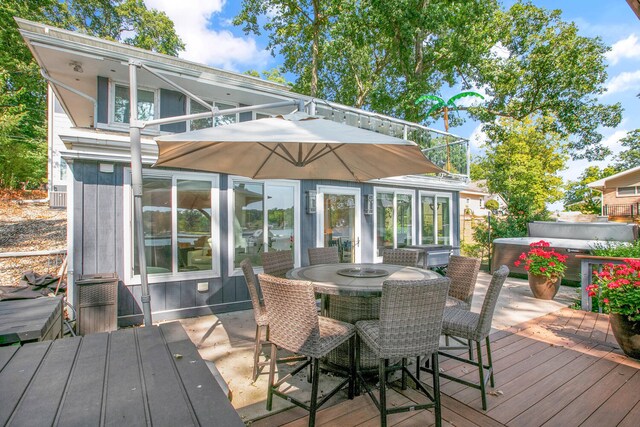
x: 382, y: 376
x: 418, y: 368
x: 436, y: 389
x: 483, y: 390
x: 272, y: 371
x: 404, y: 373
x: 313, y: 405
x: 352, y: 367
x: 470, y: 349
x: 256, y: 353
x: 489, y: 361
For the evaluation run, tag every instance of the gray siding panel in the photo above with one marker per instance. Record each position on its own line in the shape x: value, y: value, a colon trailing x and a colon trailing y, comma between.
x: 173, y: 103
x: 103, y: 100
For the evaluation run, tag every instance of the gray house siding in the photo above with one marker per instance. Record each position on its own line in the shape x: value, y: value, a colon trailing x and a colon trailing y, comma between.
x: 103, y: 100
x: 172, y: 104
x: 98, y: 221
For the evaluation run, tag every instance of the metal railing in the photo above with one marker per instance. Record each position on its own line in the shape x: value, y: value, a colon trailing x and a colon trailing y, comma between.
x: 631, y: 210
x: 447, y: 151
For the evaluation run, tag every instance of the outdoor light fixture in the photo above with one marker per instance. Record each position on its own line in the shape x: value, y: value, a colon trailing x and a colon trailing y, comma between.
x: 77, y: 67
x: 311, y: 201
x: 368, y: 204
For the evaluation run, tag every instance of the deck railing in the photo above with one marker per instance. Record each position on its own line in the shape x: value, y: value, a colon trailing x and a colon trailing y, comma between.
x: 631, y: 210
x: 448, y: 151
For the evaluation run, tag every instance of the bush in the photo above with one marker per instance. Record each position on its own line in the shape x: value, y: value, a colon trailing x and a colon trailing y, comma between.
x: 621, y: 250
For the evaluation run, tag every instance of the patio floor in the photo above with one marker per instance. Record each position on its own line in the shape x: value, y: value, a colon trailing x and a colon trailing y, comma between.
x: 561, y: 368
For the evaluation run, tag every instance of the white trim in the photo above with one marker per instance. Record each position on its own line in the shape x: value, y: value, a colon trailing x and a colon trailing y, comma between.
x: 129, y: 277
x: 435, y: 195
x: 297, y: 218
x: 635, y: 194
x: 395, y: 192
x: 343, y: 191
x: 71, y: 283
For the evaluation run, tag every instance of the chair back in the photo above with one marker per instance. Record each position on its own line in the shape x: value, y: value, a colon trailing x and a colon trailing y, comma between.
x: 291, y: 308
x: 327, y: 255
x: 490, y: 301
x: 277, y: 263
x: 400, y: 257
x: 463, y: 272
x: 411, y: 316
x: 252, y: 285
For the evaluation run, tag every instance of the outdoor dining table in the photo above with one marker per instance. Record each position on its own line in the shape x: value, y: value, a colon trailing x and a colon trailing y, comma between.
x: 151, y: 376
x: 353, y: 293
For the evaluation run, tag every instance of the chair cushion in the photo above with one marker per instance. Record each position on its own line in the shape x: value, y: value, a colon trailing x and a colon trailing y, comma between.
x: 332, y: 334
x: 460, y: 323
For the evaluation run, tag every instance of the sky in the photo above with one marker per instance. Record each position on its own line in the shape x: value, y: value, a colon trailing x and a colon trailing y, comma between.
x: 211, y: 38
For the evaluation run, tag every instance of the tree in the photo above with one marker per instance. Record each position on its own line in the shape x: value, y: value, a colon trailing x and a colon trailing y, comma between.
x: 629, y: 158
x: 521, y: 163
x: 23, y: 149
x: 273, y: 75
x: 579, y: 197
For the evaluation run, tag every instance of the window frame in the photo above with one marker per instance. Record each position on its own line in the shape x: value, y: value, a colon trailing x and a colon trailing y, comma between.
x: 635, y: 194
x: 188, y: 109
x: 175, y: 275
x: 395, y: 192
x: 297, y: 218
x: 112, y: 106
x: 435, y: 195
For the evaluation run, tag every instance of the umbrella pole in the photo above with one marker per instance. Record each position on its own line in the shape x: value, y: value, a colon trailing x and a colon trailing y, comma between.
x: 136, y: 186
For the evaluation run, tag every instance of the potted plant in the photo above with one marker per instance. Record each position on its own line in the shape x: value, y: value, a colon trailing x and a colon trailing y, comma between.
x: 545, y: 268
x: 617, y: 288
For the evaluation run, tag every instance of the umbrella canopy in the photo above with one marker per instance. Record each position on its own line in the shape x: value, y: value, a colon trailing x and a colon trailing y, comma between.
x: 295, y: 146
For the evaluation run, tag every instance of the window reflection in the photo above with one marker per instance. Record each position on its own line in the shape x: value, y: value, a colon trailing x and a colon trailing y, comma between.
x: 443, y: 221
x: 156, y: 217
x: 428, y: 220
x: 146, y: 107
x: 248, y: 222
x: 384, y: 221
x: 404, y: 224
x: 195, y: 251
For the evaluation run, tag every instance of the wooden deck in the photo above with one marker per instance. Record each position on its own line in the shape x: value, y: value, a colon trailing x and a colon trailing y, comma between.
x: 563, y: 369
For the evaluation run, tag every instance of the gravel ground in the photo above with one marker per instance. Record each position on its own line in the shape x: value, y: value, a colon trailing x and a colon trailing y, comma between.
x: 24, y: 227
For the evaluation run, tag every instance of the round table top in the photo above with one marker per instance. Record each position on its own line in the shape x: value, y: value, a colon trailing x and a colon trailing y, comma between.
x: 327, y: 280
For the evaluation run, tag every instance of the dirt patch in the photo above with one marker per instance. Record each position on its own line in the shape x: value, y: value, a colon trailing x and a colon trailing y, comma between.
x: 29, y: 226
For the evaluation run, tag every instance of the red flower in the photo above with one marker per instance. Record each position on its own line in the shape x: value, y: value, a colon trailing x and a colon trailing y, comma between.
x: 517, y: 263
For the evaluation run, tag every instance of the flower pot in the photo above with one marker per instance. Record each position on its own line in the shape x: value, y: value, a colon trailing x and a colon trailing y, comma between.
x: 544, y: 287
x: 627, y: 333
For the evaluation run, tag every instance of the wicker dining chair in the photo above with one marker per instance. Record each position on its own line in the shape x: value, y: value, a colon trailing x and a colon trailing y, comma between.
x: 294, y: 325
x: 404, y: 257
x: 474, y: 327
x: 329, y: 255
x: 277, y: 263
x: 463, y: 272
x: 410, y: 324
x: 259, y: 314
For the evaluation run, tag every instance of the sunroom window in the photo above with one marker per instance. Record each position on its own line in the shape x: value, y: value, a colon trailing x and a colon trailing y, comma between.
x: 435, y: 219
x: 121, y: 111
x: 264, y: 218
x: 394, y: 220
x: 179, y: 219
x: 196, y: 108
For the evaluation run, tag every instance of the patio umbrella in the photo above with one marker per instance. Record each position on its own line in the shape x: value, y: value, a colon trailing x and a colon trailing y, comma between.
x: 294, y: 146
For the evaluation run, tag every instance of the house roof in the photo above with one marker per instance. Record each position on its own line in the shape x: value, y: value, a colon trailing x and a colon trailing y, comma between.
x: 602, y: 183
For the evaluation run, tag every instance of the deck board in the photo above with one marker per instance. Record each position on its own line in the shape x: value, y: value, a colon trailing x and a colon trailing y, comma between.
x: 560, y: 369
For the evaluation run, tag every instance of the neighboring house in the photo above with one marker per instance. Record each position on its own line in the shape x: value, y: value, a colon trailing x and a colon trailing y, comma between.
x: 620, y: 195
x: 199, y: 226
x: 472, y: 207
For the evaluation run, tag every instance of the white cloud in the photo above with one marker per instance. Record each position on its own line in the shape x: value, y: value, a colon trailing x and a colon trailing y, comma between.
x: 626, y: 81
x: 613, y: 141
x: 478, y: 137
x: 625, y: 48
x: 499, y: 51
x: 218, y: 48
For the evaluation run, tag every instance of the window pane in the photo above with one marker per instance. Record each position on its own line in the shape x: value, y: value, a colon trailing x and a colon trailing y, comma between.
x: 444, y: 225
x: 121, y: 105
x: 195, y: 251
x: 200, y: 123
x: 404, y: 218
x: 156, y: 217
x: 225, y: 120
x: 626, y: 191
x: 280, y: 214
x: 384, y: 222
x: 248, y: 222
x: 428, y: 220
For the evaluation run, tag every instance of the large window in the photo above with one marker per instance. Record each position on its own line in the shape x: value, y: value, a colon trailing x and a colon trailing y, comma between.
x: 263, y: 218
x: 394, y: 219
x: 179, y: 213
x: 121, y: 108
x: 628, y: 191
x: 435, y: 219
x: 195, y: 108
